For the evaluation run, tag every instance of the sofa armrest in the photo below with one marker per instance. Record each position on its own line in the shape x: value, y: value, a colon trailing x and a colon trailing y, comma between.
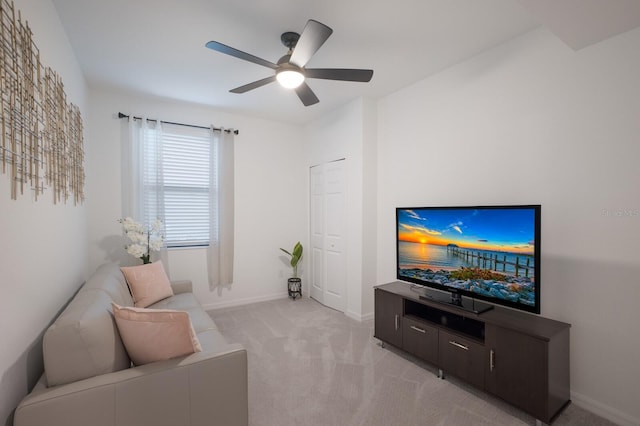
x: 204, y: 388
x: 181, y: 286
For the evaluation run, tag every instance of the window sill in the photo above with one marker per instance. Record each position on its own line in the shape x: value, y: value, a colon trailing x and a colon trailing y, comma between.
x: 188, y: 247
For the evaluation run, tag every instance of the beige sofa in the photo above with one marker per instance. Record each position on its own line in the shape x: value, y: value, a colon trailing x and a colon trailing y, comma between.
x: 89, y: 380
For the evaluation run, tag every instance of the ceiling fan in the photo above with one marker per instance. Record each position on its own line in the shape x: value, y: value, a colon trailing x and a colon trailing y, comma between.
x: 290, y: 69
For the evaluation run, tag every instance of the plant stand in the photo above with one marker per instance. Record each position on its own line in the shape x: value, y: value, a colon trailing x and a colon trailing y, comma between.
x: 294, y: 285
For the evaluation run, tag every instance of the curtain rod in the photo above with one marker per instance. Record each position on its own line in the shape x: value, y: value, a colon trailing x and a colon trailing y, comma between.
x: 235, y: 132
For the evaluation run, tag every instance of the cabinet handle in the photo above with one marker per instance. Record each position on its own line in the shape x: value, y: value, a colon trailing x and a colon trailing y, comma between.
x: 413, y: 327
x: 397, y: 320
x: 492, y: 360
x: 458, y: 345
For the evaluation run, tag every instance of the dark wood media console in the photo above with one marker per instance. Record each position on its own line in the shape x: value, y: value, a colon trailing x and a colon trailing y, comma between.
x: 518, y: 357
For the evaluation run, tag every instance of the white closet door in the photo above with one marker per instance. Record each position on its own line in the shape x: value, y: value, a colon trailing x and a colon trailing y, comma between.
x: 316, y: 228
x: 328, y: 234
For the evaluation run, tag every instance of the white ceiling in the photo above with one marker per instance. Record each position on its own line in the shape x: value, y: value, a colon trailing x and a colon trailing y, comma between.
x: 157, y: 47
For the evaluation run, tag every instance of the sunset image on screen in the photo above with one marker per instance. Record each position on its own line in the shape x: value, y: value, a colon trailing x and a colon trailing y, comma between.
x: 485, y: 251
x: 508, y: 231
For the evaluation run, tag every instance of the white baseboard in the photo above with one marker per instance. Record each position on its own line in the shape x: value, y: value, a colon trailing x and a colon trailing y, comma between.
x: 246, y: 301
x: 353, y: 315
x: 358, y: 317
x: 603, y: 410
x: 367, y: 317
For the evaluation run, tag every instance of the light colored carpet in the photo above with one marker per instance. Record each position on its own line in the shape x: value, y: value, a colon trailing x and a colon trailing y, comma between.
x: 312, y: 366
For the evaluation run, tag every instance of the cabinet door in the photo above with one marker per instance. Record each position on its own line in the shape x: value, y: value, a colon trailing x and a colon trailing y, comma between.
x: 517, y: 370
x: 420, y: 339
x: 462, y: 358
x: 388, y: 317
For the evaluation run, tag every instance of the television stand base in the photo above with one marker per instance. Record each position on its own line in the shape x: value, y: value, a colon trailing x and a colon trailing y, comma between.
x: 456, y: 301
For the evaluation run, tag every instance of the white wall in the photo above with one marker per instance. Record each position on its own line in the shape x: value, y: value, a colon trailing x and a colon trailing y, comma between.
x: 269, y: 196
x: 42, y: 245
x: 533, y: 121
x: 347, y: 133
x: 369, y: 207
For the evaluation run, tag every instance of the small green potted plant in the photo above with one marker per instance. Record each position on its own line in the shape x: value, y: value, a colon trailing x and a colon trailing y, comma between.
x: 294, y: 284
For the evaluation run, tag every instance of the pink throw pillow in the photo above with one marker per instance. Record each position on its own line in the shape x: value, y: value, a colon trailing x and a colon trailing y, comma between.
x: 148, y: 283
x: 151, y: 335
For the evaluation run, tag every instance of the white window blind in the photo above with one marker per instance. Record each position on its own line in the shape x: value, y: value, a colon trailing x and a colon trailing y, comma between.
x: 176, y: 178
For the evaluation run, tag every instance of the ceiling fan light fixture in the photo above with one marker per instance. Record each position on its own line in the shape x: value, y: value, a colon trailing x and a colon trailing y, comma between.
x: 290, y: 78
x: 290, y: 71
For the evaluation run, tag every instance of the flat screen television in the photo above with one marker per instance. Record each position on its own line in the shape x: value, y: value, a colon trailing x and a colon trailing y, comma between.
x: 474, y: 254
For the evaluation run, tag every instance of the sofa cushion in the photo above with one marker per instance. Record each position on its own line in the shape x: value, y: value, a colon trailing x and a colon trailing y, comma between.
x: 211, y: 340
x: 83, y: 341
x: 152, y: 335
x: 187, y: 302
x: 109, y: 278
x: 148, y: 283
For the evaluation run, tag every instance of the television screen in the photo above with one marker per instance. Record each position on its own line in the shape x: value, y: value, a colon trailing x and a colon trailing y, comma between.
x: 491, y: 253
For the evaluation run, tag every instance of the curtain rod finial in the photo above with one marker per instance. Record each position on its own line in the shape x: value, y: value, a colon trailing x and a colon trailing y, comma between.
x: 121, y: 115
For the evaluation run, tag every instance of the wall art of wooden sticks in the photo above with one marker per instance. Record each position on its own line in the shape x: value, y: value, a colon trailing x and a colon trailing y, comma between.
x: 41, y: 139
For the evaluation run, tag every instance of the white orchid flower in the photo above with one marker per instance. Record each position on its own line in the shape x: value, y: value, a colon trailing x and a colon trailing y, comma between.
x: 143, y: 238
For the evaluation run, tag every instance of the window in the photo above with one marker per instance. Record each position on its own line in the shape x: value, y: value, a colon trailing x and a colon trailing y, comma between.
x: 183, y: 175
x: 176, y: 182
